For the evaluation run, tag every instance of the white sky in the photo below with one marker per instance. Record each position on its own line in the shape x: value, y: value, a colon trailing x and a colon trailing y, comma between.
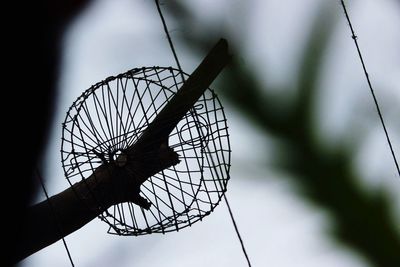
x: 278, y: 228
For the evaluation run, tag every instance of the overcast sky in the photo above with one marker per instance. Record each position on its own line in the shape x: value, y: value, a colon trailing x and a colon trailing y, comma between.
x: 278, y: 228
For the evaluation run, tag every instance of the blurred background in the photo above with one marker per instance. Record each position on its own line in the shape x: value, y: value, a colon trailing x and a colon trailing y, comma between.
x: 312, y: 182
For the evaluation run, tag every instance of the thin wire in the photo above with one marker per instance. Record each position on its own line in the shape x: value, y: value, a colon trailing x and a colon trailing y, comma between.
x: 183, y: 79
x: 237, y: 230
x: 171, y: 45
x: 354, y: 37
x: 55, y: 217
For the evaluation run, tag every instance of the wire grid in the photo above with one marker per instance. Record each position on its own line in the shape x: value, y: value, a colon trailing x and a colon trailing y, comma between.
x: 110, y: 116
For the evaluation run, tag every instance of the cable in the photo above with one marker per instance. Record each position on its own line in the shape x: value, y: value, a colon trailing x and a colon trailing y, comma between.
x: 183, y: 79
x: 354, y: 37
x: 237, y: 231
x: 171, y: 45
x: 55, y: 216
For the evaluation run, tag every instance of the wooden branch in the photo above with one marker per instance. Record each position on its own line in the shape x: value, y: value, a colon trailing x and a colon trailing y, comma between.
x: 64, y: 213
x: 188, y: 94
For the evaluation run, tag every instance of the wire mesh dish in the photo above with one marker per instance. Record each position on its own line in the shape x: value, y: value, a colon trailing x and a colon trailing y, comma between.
x: 110, y: 117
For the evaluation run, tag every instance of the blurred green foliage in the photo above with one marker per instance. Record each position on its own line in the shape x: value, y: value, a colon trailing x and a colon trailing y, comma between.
x: 362, y: 220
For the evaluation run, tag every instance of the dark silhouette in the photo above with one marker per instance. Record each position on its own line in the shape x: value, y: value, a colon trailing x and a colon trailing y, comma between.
x: 362, y: 220
x: 33, y: 49
x: 119, y: 180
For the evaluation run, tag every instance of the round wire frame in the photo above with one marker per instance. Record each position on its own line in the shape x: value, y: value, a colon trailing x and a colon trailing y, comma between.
x: 110, y: 116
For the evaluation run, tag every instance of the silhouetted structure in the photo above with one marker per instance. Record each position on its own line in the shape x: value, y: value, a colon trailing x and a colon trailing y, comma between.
x: 112, y: 171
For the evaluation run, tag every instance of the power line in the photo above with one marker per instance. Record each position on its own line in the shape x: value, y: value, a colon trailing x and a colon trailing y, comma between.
x: 354, y: 37
x: 171, y: 45
x: 55, y: 217
x: 237, y: 231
